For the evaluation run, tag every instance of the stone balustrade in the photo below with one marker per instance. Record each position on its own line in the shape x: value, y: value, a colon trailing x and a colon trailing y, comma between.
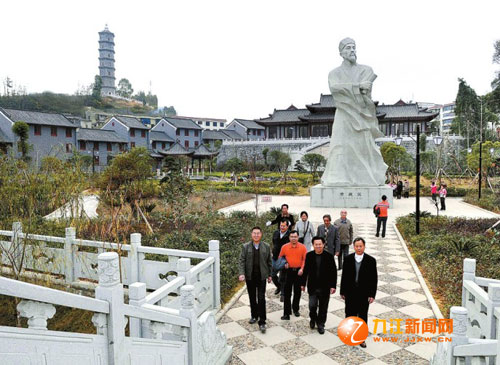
x: 476, y: 324
x: 182, y: 335
x: 73, y: 261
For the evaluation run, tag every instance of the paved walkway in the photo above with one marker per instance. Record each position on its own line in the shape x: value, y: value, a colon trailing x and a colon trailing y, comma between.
x: 455, y: 207
x: 399, y: 295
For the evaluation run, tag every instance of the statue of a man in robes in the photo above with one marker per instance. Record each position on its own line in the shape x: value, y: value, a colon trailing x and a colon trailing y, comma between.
x: 354, y: 158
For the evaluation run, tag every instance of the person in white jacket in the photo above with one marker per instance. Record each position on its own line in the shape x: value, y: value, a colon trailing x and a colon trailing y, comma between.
x: 306, y: 230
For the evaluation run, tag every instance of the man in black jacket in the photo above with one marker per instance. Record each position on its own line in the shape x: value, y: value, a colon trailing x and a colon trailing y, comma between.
x: 320, y: 274
x: 359, y: 282
x: 255, y: 269
x: 280, y: 238
x: 283, y: 215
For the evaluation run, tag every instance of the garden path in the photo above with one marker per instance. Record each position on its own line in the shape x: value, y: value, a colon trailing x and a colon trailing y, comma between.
x: 400, y: 295
x: 455, y: 207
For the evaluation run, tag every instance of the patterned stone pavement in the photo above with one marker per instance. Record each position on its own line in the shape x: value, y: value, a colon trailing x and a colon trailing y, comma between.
x: 399, y: 295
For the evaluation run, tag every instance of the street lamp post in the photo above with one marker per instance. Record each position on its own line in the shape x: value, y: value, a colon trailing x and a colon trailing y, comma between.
x: 398, y: 141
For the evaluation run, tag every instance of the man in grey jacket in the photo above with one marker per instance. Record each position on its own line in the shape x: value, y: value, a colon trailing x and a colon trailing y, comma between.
x: 330, y: 234
x: 255, y: 268
x: 345, y: 229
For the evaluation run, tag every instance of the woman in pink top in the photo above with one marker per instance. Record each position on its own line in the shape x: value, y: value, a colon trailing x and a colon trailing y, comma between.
x: 434, y: 190
x: 442, y: 196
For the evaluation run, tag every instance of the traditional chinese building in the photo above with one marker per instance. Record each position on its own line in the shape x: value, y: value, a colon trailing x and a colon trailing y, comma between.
x: 318, y: 118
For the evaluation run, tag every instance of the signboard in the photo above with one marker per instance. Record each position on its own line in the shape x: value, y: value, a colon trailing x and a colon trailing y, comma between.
x: 266, y: 199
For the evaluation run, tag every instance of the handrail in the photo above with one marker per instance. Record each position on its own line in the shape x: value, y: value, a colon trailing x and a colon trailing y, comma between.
x: 162, y: 292
x: 202, y: 266
x: 476, y: 347
x: 485, y: 281
x: 157, y: 314
x: 39, y: 237
x: 475, y: 289
x: 100, y: 244
x: 496, y: 312
x: 24, y: 290
x: 171, y: 252
x: 6, y: 233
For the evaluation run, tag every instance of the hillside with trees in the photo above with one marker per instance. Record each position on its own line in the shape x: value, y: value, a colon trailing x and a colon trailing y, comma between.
x: 83, y: 99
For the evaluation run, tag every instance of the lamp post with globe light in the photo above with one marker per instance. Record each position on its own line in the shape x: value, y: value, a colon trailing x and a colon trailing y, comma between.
x: 437, y: 141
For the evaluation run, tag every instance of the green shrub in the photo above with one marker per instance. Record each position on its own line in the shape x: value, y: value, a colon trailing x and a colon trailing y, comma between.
x: 442, y: 246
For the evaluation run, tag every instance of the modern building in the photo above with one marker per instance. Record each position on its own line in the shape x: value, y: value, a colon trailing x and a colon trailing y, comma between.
x: 213, y: 124
x: 107, y: 62
x: 136, y: 133
x: 50, y: 134
x: 101, y: 144
x: 247, y: 128
x: 181, y: 130
x: 447, y: 116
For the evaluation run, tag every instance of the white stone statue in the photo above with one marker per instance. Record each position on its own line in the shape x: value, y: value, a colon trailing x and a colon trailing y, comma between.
x: 354, y: 158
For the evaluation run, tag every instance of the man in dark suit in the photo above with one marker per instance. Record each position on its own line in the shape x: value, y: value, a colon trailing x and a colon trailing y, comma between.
x: 330, y: 233
x: 255, y: 269
x: 320, y: 274
x: 283, y: 215
x: 359, y: 282
x: 280, y: 238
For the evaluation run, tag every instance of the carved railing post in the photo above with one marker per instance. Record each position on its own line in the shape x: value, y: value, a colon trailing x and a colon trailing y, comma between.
x: 213, y: 251
x: 69, y: 255
x: 111, y: 290
x: 459, y: 335
x: 188, y: 311
x: 469, y: 274
x: 135, y: 263
x: 158, y: 329
x: 101, y: 323
x: 493, y: 302
x: 36, y: 312
x: 183, y: 267
x: 137, y: 297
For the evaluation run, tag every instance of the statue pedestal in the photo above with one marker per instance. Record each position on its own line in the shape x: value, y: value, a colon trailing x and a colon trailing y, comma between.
x: 348, y: 196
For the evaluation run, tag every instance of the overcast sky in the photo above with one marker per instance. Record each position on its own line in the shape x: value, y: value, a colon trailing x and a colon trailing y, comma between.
x: 242, y: 59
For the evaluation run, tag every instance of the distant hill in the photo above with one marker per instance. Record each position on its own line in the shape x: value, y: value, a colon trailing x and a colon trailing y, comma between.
x: 74, y: 104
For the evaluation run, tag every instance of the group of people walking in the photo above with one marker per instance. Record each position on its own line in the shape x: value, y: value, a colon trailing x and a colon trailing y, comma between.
x: 302, y: 257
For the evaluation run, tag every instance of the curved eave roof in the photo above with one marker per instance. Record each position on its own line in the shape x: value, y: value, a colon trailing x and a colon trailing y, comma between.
x: 176, y: 150
x: 202, y: 151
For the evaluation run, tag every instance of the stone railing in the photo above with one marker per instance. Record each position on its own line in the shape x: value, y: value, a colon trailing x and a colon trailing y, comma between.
x: 157, y: 334
x: 73, y: 261
x: 476, y: 324
x: 268, y: 141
